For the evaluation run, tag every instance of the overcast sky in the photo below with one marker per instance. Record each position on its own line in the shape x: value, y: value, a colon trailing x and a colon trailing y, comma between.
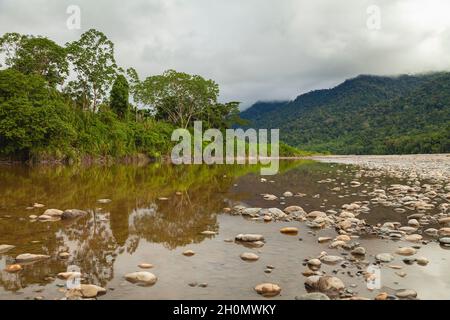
x: 254, y: 49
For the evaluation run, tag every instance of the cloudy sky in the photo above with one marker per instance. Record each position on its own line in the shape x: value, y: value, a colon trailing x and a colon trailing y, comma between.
x: 255, y: 49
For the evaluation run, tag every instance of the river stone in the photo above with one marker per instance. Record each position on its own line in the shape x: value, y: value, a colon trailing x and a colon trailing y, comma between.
x: 337, y: 244
x: 64, y: 255
x: 5, y: 248
x: 249, y: 237
x: 270, y: 197
x: 276, y: 213
x: 445, y: 241
x: 68, y: 275
x: 413, y: 237
x: 406, y: 294
x: 208, y: 233
x: 268, y: 290
x: 331, y: 286
x: 324, y: 239
x: 413, y: 223
x: 384, y: 257
x: 73, y: 214
x: 408, y: 230
x: 314, y: 264
x: 33, y: 217
x: 53, y: 213
x: 444, y: 232
x: 104, y: 201
x: 343, y: 237
x: 406, y: 251
x: 145, y: 266
x: 250, y: 211
x: 28, y: 257
x: 359, y: 251
x: 91, y: 290
x: 249, y: 256
x: 188, y: 253
x: 288, y: 194
x: 431, y: 232
x: 289, y: 230
x: 294, y: 209
x: 313, y: 296
x: 331, y: 259
x: 13, y: 268
x: 142, y: 278
x: 422, y: 261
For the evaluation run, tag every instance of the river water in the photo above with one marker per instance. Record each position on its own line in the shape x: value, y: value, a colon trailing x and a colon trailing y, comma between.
x: 138, y: 226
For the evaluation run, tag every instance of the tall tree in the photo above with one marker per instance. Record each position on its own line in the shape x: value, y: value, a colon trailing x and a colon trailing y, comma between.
x: 35, y: 55
x: 120, y: 97
x: 92, y: 57
x: 179, y: 97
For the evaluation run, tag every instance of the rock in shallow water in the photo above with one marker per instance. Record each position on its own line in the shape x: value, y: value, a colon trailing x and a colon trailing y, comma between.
x: 313, y: 296
x: 331, y: 286
x: 13, y: 268
x: 249, y: 256
x: 5, y: 248
x: 289, y: 230
x: 141, y: 278
x: 28, y: 257
x: 268, y: 289
x: 249, y: 237
x: 384, y: 257
x: 188, y: 253
x: 406, y: 294
x: 406, y: 251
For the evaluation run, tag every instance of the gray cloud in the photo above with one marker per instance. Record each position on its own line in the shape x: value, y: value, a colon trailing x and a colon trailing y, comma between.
x: 255, y: 49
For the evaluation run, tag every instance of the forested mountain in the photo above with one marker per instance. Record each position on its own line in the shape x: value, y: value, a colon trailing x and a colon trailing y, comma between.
x: 365, y: 115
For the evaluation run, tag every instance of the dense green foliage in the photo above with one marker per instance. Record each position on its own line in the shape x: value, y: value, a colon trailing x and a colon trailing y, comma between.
x: 47, y: 112
x: 120, y: 96
x: 365, y: 115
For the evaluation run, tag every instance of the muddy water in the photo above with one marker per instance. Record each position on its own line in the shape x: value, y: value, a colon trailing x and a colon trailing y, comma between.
x: 137, y: 227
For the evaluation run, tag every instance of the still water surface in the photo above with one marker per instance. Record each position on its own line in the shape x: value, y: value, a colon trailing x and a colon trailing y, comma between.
x: 136, y: 227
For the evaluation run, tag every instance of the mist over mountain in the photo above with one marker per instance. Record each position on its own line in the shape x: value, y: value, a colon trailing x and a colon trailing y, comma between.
x: 365, y: 115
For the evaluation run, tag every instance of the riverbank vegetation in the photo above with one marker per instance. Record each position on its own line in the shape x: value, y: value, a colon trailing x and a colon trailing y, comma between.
x: 73, y: 102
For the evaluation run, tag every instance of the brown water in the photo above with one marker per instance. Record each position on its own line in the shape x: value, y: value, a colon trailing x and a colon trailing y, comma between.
x: 136, y: 227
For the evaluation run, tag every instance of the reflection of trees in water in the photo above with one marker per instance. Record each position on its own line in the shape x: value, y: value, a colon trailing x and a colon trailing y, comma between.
x: 178, y: 221
x: 94, y: 241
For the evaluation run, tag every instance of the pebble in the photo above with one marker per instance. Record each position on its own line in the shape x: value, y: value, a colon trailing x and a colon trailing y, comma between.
x: 422, y: 261
x: 405, y: 294
x: 188, y: 253
x: 249, y: 237
x: 13, y: 268
x: 313, y: 296
x: 359, y: 251
x: 268, y: 289
x: 145, y: 266
x: 289, y: 230
x: 28, y: 257
x: 314, y: 264
x: 104, y: 201
x: 384, y: 257
x: 413, y: 237
x: 331, y: 259
x: 249, y: 256
x: 406, y: 251
x: 141, y: 278
x: 324, y: 239
x: 5, y: 248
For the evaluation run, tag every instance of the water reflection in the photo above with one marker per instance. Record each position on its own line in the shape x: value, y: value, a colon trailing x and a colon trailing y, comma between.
x: 196, y: 194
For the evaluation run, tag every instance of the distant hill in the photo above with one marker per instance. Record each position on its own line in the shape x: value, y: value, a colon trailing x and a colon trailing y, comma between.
x: 365, y: 115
